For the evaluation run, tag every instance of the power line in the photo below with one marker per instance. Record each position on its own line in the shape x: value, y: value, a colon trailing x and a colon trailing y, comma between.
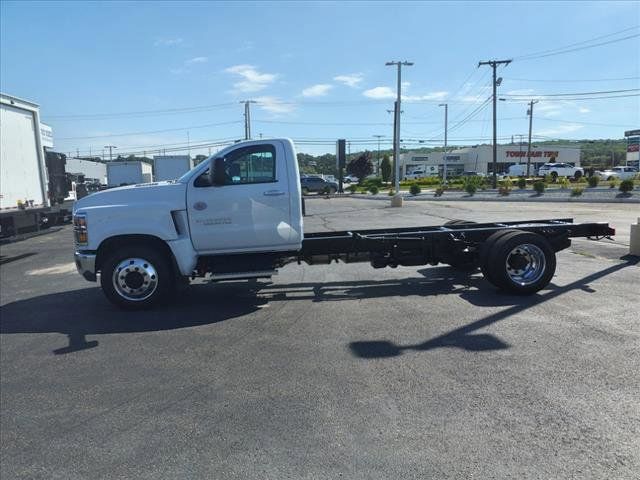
x: 567, y: 48
x: 603, y: 92
x: 99, y: 116
x: 574, y: 80
x: 565, y: 99
x: 149, y: 132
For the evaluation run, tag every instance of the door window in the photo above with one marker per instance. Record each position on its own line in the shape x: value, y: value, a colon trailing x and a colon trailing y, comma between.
x: 246, y: 165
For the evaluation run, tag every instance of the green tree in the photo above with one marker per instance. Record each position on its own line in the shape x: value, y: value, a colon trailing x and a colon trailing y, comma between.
x: 199, y: 159
x: 361, y: 166
x: 385, y: 168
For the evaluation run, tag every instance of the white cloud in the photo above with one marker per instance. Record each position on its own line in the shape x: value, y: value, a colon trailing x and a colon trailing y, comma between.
x: 318, y: 90
x: 252, y: 79
x: 246, y: 46
x: 429, y: 96
x: 274, y: 105
x: 560, y: 130
x: 350, y: 80
x: 584, y: 110
x: 379, y: 93
x: 387, y: 93
x: 195, y: 60
x: 167, y: 42
x: 548, y: 109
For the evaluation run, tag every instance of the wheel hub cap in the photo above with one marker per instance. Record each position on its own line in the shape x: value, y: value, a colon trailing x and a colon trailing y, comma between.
x: 135, y: 279
x: 526, y: 264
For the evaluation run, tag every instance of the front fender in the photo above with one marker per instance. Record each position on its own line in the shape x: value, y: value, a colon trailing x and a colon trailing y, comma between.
x: 108, y: 221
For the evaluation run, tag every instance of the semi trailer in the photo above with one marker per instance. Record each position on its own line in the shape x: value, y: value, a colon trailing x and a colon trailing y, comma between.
x: 170, y: 167
x: 128, y: 173
x: 33, y: 184
x: 238, y: 215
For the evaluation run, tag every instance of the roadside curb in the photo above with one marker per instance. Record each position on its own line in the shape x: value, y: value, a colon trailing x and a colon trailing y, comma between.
x: 509, y: 198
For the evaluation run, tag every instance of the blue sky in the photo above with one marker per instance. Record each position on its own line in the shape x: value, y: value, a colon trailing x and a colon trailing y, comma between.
x: 317, y: 70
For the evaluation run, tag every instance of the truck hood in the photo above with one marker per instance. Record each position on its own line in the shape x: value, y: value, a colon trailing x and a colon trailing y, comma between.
x: 170, y: 194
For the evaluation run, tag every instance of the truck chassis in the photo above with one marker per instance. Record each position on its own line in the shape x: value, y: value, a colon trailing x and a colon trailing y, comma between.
x: 517, y: 257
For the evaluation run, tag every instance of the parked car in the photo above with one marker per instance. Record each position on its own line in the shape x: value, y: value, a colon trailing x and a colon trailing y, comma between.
x: 520, y: 170
x: 555, y: 170
x: 618, y: 173
x: 350, y: 179
x: 317, y: 185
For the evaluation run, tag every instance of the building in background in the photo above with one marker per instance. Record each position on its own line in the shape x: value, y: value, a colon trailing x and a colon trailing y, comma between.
x: 479, y: 159
x: 633, y: 148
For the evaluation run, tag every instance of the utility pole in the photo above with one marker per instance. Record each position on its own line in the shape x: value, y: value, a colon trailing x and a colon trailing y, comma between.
x: 446, y: 113
x: 378, y: 137
x: 247, y: 118
x: 188, y: 145
x: 530, y: 113
x: 494, y: 64
x: 110, y: 147
x: 396, y: 130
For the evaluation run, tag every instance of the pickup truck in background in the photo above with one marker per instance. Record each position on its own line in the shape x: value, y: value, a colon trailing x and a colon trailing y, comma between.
x: 618, y: 173
x: 238, y: 215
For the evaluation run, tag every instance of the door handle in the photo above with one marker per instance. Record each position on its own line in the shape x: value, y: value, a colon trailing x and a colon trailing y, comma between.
x: 273, y: 193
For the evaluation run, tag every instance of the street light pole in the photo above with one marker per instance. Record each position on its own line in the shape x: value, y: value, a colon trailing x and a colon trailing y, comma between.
x: 494, y: 64
x: 110, y: 147
x: 530, y: 113
x: 247, y: 118
x: 396, y: 143
x: 446, y: 112
x: 378, y: 137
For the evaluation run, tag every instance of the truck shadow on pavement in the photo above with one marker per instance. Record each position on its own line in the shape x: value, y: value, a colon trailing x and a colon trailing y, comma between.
x: 464, y: 337
x: 83, y: 312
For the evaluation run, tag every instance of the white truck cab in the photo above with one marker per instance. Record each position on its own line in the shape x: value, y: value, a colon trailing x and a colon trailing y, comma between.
x: 246, y: 198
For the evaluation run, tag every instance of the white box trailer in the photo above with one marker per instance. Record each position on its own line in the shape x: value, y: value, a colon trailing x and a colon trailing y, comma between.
x: 25, y: 199
x: 23, y: 176
x: 170, y: 167
x: 92, y: 171
x: 128, y: 173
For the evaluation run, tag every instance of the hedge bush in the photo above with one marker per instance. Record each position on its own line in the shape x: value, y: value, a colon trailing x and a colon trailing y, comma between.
x: 593, y: 181
x: 539, y: 186
x: 626, y: 186
x: 374, y: 190
x: 522, y: 183
x: 577, y: 191
x: 415, y: 189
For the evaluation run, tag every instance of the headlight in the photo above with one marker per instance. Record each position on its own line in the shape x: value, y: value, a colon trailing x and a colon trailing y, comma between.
x: 80, y: 229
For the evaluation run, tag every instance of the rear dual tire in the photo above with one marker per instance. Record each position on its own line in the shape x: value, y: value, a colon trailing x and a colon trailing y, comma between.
x: 518, y: 262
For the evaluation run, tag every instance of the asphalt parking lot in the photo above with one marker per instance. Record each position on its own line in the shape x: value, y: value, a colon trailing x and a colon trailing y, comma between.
x: 337, y: 371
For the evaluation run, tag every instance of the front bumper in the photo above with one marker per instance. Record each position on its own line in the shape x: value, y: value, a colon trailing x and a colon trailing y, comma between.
x: 86, y: 265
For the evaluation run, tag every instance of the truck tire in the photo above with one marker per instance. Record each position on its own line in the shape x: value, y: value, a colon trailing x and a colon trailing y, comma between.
x: 485, y: 252
x: 137, y: 277
x: 577, y: 175
x: 554, y: 176
x: 521, y: 262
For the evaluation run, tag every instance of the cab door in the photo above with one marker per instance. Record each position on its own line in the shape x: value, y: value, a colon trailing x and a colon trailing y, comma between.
x: 250, y: 211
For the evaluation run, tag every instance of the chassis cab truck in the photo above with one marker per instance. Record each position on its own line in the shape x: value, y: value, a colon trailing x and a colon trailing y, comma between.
x: 238, y: 215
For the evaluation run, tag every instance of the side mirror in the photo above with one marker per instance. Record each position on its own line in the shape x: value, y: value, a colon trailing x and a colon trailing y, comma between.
x: 217, y: 175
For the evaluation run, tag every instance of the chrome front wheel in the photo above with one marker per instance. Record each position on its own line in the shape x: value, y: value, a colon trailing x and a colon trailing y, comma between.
x: 135, y: 279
